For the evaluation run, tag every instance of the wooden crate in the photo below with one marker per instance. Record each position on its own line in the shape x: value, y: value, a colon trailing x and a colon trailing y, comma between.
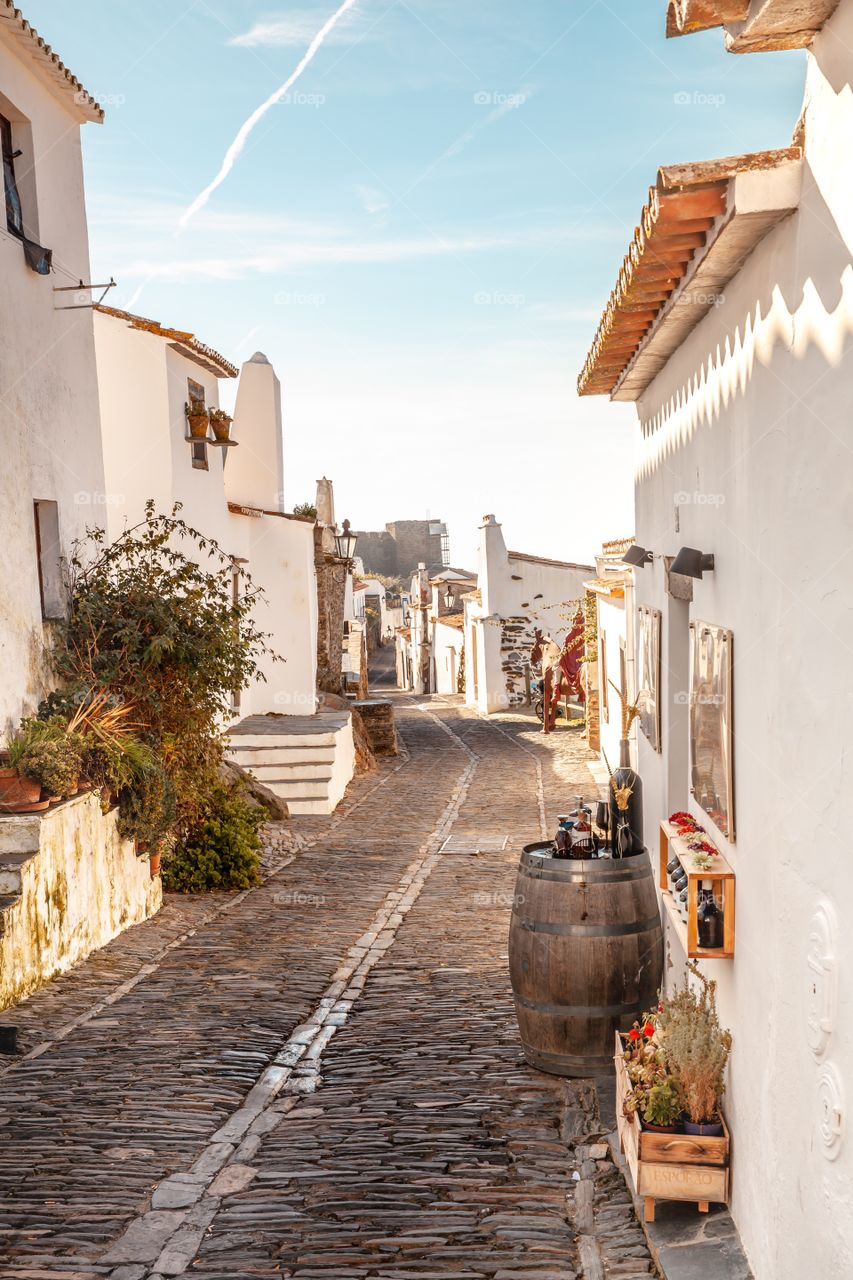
x: 670, y: 1166
x: 723, y: 882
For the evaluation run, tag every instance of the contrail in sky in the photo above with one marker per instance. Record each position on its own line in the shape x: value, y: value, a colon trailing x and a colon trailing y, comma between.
x: 239, y: 142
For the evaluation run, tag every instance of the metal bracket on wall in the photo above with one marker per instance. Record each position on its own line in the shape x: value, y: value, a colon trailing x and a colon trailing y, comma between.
x: 82, y: 289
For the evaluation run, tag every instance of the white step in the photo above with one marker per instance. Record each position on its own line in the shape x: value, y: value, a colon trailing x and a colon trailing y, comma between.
x: 19, y: 834
x: 287, y: 769
x: 237, y: 741
x: 294, y: 787
x: 281, y: 756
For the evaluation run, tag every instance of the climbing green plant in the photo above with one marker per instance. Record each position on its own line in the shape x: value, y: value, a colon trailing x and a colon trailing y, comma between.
x: 153, y: 621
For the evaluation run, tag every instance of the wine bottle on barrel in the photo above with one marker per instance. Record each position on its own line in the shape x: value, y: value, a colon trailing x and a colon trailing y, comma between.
x: 626, y: 806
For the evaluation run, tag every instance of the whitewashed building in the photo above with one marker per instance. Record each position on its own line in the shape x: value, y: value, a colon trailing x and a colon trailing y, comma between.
x: 515, y: 595
x: 51, y: 471
x: 234, y: 494
x: 731, y: 328
x: 51, y: 478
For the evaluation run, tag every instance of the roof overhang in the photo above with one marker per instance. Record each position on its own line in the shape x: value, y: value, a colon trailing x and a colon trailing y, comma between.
x: 752, y: 26
x: 67, y: 87
x: 701, y: 224
x: 612, y: 588
x: 180, y: 340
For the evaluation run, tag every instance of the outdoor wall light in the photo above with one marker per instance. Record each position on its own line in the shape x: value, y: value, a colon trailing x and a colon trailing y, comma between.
x: 449, y: 598
x: 638, y: 556
x: 691, y: 563
x: 345, y: 542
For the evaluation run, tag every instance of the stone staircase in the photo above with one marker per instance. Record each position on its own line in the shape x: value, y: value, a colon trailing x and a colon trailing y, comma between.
x: 306, y: 760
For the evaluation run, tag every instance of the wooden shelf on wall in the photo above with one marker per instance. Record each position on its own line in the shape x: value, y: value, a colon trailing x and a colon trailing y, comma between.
x: 723, y: 882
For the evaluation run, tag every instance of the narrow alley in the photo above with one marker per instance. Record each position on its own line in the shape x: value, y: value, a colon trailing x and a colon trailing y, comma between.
x: 321, y: 1077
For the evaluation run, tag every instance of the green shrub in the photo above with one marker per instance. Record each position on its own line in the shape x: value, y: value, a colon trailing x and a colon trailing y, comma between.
x: 221, y: 849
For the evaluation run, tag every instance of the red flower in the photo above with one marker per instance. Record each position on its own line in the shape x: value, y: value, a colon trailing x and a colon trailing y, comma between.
x: 649, y: 1030
x: 633, y: 1034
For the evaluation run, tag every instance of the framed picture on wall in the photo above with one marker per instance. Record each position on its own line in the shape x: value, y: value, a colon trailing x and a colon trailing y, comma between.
x: 648, y: 696
x: 711, y: 724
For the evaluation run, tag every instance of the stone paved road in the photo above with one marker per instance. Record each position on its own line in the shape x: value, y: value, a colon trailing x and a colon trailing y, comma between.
x: 321, y: 1077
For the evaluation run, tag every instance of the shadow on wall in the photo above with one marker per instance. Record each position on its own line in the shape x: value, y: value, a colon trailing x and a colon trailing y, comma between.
x: 804, y: 310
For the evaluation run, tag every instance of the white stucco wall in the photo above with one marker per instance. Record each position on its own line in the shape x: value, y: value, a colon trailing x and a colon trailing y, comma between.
x: 746, y: 444
x: 143, y: 387
x: 48, y: 391
x: 81, y: 886
x: 514, y: 588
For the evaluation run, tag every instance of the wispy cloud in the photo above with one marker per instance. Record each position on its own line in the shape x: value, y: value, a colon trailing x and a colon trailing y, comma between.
x: 235, y: 150
x: 290, y: 31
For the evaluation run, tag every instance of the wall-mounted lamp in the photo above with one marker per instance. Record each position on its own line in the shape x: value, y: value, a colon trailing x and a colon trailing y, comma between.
x: 345, y: 542
x: 449, y: 597
x: 691, y: 563
x: 638, y: 556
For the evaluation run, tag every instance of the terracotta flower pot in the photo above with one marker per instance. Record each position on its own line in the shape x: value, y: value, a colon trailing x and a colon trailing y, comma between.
x: 221, y: 429
x: 154, y: 864
x: 19, y: 795
x: 199, y: 425
x: 660, y: 1128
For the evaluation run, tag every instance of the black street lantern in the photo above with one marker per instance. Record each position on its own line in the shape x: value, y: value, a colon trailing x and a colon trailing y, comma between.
x: 638, y: 556
x: 449, y: 597
x: 345, y: 542
x: 691, y: 563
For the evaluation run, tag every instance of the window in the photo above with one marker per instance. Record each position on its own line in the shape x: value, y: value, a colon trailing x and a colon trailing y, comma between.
x: 49, y: 560
x: 195, y: 391
x: 14, y: 212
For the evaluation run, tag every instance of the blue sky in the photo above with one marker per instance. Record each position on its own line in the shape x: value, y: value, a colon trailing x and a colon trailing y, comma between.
x: 422, y: 238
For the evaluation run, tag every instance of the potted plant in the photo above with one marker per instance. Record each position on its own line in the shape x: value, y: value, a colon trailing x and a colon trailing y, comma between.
x: 50, y: 754
x: 18, y: 792
x: 198, y: 418
x: 221, y: 421
x: 663, y: 1106
x: 696, y: 1049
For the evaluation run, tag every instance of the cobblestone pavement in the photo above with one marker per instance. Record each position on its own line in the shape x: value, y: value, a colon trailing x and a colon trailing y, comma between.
x: 321, y: 1078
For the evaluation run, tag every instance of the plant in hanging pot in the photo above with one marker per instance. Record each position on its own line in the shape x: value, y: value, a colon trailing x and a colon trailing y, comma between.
x: 696, y: 1049
x: 221, y: 421
x: 198, y: 418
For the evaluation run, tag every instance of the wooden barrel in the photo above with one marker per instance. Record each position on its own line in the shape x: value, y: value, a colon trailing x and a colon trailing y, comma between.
x: 585, y: 956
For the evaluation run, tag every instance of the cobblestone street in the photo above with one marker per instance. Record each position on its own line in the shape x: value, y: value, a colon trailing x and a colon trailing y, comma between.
x: 321, y: 1077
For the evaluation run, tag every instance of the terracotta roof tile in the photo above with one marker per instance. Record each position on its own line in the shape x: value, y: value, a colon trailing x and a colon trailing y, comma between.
x: 683, y: 207
x: 185, y: 342
x: 14, y: 22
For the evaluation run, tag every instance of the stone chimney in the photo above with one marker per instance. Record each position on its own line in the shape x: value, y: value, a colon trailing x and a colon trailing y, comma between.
x: 254, y: 472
